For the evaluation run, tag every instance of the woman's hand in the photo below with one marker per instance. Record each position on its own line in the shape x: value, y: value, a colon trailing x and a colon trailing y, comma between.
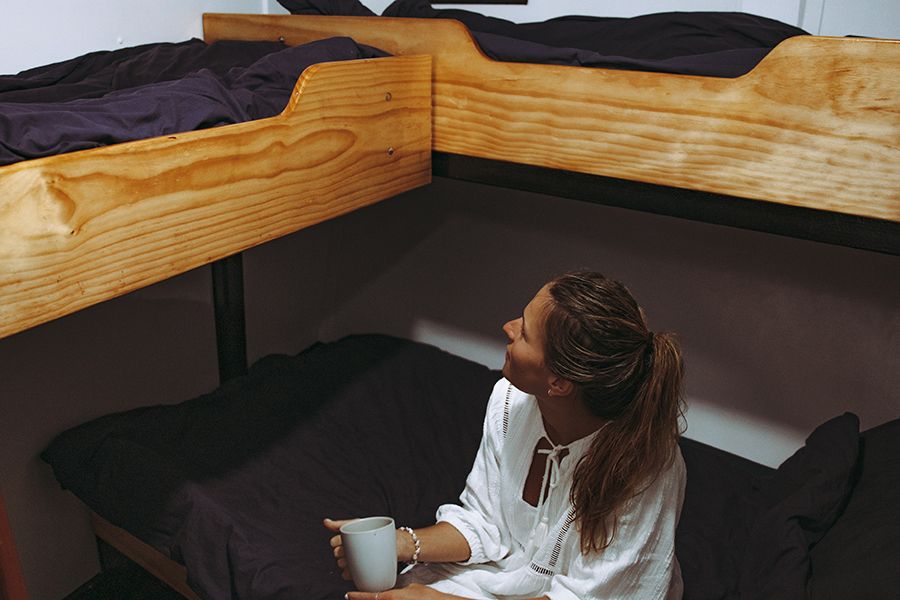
x: 405, y: 546
x: 337, y: 547
x: 414, y: 591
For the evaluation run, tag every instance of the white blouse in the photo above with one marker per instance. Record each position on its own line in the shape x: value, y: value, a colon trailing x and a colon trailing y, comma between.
x: 522, y: 551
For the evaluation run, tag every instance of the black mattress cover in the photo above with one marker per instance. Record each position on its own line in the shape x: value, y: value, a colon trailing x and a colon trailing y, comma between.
x: 716, y: 44
x: 146, y: 91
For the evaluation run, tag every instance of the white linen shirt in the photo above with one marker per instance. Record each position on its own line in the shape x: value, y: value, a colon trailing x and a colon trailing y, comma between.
x: 513, y: 557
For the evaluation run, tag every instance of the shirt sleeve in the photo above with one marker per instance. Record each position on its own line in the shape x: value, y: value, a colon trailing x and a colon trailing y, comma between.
x: 640, y: 562
x: 477, y: 515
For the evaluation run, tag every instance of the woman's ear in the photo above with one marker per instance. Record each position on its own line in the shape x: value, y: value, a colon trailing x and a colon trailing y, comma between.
x: 560, y: 387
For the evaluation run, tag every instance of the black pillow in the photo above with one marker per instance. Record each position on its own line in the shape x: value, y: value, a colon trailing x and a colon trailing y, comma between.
x: 796, y: 507
x: 720, y: 505
x: 858, y: 557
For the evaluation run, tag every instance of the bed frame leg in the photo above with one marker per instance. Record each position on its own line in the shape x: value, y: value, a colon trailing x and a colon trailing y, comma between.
x: 12, y: 582
x: 228, y: 301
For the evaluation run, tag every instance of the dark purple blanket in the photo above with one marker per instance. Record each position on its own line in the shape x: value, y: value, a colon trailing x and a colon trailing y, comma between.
x: 99, y: 73
x: 158, y: 89
x: 717, y: 44
x: 234, y: 484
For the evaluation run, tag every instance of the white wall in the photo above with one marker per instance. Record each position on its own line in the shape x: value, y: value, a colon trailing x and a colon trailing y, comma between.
x: 54, y: 30
x: 779, y: 333
x: 62, y: 29
x: 874, y: 18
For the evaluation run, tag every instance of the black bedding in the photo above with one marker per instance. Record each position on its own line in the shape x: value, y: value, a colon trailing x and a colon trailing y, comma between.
x: 152, y: 90
x: 234, y: 484
x: 716, y: 44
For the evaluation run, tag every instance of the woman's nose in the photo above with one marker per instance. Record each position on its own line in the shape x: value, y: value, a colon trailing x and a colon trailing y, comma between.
x: 509, y: 328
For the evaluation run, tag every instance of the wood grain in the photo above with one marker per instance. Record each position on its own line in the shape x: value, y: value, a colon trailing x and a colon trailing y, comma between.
x: 152, y: 560
x: 816, y: 124
x: 80, y: 228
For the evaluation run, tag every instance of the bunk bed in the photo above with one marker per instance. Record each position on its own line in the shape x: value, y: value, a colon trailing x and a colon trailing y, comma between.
x: 804, y: 144
x: 82, y: 227
x: 746, y: 151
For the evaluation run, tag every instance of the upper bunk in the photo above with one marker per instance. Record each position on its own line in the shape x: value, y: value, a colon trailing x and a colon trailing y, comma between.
x: 83, y: 227
x: 806, y: 144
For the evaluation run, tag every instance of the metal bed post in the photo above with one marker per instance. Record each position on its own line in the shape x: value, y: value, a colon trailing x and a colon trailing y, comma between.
x: 228, y: 302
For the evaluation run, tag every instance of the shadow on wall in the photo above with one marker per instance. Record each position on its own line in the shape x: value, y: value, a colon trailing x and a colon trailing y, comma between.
x: 292, y: 282
x: 784, y: 331
x: 150, y: 347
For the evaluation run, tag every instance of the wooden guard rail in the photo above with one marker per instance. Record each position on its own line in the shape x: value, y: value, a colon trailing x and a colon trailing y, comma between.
x: 815, y: 124
x: 80, y: 228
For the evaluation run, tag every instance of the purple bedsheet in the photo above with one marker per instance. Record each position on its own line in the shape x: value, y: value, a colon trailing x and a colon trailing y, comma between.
x: 716, y: 44
x: 137, y: 93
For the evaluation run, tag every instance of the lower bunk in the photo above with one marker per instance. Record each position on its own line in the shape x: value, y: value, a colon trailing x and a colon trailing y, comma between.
x: 223, y: 495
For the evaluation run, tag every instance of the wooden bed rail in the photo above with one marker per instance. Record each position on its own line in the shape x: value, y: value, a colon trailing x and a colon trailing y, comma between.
x: 816, y: 124
x: 80, y: 228
x: 152, y: 560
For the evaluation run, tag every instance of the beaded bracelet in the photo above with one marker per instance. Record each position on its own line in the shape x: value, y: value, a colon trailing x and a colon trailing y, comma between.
x: 418, y: 546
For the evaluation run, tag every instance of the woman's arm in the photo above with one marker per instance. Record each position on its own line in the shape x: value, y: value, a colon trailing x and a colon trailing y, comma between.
x: 439, y: 543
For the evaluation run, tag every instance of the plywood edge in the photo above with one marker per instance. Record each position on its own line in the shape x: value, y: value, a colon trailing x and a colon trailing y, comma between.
x: 815, y: 124
x: 80, y: 228
x: 152, y: 560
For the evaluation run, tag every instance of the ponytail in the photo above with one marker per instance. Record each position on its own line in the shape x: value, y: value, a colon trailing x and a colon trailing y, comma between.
x: 597, y: 338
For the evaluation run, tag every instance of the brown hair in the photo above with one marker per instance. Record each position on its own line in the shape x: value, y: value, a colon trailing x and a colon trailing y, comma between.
x: 597, y: 338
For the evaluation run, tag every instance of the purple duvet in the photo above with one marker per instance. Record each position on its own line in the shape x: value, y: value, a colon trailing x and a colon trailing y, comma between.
x: 716, y: 44
x: 157, y: 89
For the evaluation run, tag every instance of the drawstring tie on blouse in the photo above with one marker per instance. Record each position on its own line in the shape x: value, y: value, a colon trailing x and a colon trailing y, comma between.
x: 548, y: 484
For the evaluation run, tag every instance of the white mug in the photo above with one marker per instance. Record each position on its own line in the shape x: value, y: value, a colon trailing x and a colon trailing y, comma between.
x: 370, y: 547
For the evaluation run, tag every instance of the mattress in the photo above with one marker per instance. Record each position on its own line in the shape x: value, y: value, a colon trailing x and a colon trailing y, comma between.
x: 715, y: 44
x: 152, y: 90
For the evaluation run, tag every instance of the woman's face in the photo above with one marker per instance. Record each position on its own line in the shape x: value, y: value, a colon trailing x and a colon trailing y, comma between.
x: 524, y: 366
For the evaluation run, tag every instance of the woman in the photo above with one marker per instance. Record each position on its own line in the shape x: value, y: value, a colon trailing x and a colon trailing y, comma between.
x: 578, y: 483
